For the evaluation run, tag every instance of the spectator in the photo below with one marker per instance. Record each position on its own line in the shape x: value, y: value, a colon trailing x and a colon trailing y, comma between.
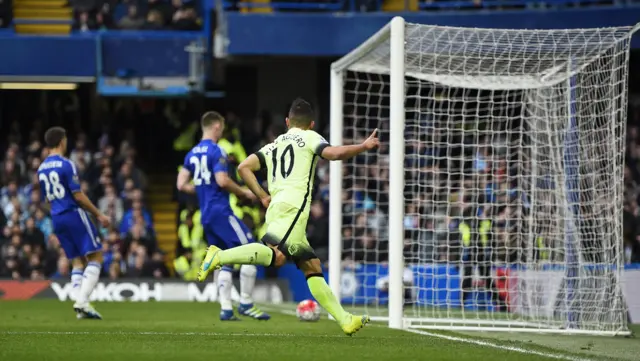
x: 162, y: 11
x: 187, y: 265
x: 111, y: 205
x: 32, y: 173
x: 136, y: 258
x: 155, y: 267
x: 127, y: 193
x: 138, y: 235
x: 44, y: 223
x: 13, y: 167
x: 131, y: 21
x: 128, y: 170
x: 318, y: 231
x: 190, y: 234
x: 10, y: 267
x: 186, y: 19
x: 155, y: 21
x: 52, y: 256
x: 11, y: 197
x: 136, y: 215
x: 112, y: 255
x: 104, y: 17
x: 85, y: 23
x: 34, y: 237
x: 80, y: 152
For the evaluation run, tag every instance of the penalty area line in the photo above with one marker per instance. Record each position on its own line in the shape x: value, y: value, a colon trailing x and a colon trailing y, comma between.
x: 557, y: 356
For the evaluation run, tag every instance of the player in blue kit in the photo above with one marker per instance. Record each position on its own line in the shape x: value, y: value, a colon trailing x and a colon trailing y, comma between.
x: 69, y: 206
x: 207, y: 165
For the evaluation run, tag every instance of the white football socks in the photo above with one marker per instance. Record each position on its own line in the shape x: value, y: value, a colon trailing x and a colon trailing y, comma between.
x: 225, y: 284
x: 247, y: 282
x: 89, y: 280
x: 76, y: 281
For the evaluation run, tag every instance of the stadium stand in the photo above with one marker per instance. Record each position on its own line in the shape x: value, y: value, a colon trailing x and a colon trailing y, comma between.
x: 93, y: 15
x: 110, y: 176
x: 122, y: 188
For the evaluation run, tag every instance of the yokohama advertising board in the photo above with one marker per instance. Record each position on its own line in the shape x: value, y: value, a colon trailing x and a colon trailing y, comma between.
x: 140, y: 291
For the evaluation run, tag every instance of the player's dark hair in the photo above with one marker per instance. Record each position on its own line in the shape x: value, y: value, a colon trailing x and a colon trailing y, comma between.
x: 54, y: 136
x: 301, y: 113
x: 210, y: 118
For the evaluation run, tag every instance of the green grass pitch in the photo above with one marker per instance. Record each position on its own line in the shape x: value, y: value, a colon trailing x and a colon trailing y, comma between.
x: 48, y: 330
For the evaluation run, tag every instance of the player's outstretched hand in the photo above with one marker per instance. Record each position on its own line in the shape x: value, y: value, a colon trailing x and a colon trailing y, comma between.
x: 104, y: 221
x: 265, y: 201
x: 372, y: 142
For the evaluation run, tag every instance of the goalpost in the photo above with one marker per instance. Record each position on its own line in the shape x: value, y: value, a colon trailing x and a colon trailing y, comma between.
x: 495, y: 201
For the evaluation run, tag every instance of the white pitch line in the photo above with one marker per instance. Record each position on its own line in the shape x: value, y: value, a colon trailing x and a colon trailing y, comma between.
x: 152, y: 333
x: 557, y: 356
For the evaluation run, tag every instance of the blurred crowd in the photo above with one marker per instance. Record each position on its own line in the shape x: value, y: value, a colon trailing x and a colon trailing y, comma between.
x: 463, y: 203
x: 449, y: 217
x: 109, y: 176
x: 92, y: 15
x: 466, y: 199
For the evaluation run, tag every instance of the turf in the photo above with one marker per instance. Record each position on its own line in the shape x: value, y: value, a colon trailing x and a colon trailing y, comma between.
x: 48, y: 330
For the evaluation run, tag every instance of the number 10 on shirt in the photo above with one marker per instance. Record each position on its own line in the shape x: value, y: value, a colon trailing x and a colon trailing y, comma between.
x: 286, y: 165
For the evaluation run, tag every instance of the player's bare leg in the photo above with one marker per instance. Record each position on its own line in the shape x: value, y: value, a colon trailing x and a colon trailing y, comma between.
x: 90, y: 278
x: 320, y: 290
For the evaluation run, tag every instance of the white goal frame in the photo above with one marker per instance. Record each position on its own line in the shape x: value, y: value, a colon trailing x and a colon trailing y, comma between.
x: 394, y: 33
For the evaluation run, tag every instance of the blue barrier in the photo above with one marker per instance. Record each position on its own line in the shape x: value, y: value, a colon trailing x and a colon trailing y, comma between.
x: 437, y: 284
x: 158, y: 54
x: 47, y: 56
x: 147, y: 54
x: 327, y: 34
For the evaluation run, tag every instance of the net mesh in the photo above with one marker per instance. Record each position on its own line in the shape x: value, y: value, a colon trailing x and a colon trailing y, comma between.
x: 514, y: 146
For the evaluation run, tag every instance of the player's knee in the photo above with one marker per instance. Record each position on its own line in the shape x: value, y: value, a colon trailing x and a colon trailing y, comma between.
x: 280, y: 259
x: 95, y: 257
x: 310, y: 267
x: 78, y: 263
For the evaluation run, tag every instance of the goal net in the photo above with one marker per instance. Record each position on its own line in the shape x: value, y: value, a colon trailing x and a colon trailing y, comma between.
x: 495, y: 201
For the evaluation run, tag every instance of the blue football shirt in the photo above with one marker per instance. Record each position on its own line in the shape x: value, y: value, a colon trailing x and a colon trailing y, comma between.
x: 203, y: 162
x: 58, y: 181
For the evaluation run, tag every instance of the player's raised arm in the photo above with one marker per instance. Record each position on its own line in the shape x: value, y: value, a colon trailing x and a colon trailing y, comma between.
x: 344, y: 152
x: 246, y: 169
x: 184, y: 181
